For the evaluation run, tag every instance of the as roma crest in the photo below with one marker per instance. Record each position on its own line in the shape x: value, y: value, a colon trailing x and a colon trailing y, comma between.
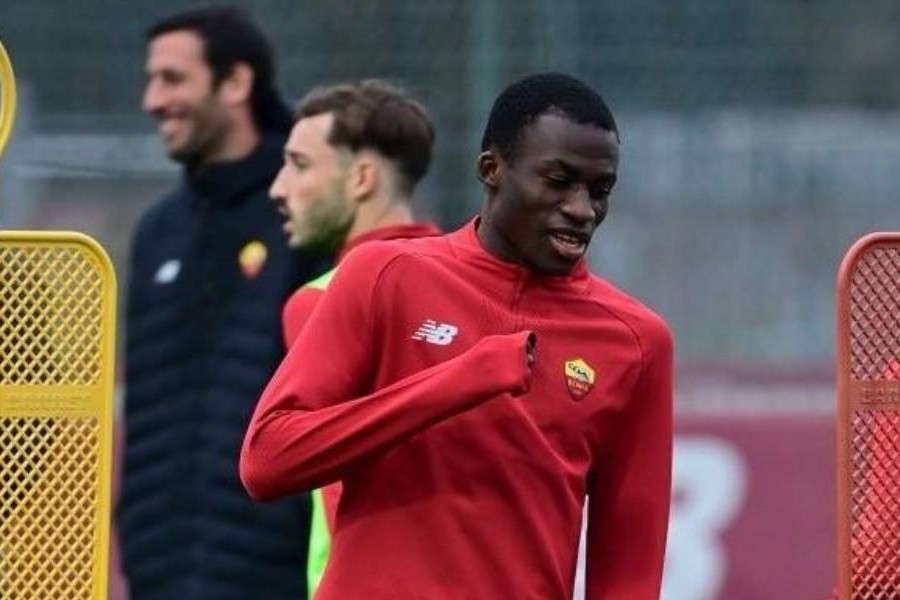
x: 579, y: 377
x: 252, y: 258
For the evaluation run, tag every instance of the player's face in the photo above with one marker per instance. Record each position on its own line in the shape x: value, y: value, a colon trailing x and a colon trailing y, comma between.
x: 544, y: 205
x: 180, y: 94
x: 311, y: 187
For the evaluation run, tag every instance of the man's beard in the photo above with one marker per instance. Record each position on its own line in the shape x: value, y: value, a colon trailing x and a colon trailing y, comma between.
x: 205, y: 141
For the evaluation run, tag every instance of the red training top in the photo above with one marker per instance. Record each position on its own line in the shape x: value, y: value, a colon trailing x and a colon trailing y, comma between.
x: 301, y: 303
x: 465, y: 472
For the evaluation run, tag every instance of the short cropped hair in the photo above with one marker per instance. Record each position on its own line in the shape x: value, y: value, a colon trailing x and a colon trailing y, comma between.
x: 376, y: 115
x: 523, y: 101
x: 231, y: 37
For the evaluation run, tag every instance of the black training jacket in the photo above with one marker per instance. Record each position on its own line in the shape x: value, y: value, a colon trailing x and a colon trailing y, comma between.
x: 209, y: 272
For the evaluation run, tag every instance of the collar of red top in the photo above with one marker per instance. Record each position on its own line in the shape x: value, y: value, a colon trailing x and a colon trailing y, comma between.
x: 469, y: 245
x: 409, y: 230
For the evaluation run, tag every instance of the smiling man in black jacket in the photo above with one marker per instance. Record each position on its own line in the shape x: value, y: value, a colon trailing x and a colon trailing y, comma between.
x: 209, y: 273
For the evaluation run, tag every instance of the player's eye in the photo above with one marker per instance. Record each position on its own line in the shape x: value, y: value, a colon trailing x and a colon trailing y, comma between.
x: 171, y: 77
x: 600, y: 191
x: 558, y: 182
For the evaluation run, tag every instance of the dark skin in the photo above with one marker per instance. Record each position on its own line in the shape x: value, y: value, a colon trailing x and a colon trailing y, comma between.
x: 544, y: 205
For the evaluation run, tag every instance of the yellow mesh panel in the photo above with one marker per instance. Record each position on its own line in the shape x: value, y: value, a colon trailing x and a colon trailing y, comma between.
x: 52, y: 316
x: 57, y: 316
x: 873, y: 374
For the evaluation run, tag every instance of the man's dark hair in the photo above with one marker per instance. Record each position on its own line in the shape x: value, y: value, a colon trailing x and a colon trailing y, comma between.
x: 523, y: 101
x: 379, y: 116
x: 231, y: 37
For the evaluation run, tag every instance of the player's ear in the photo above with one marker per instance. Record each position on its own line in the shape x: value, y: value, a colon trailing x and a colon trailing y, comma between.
x: 489, y: 169
x: 237, y: 87
x: 364, y: 174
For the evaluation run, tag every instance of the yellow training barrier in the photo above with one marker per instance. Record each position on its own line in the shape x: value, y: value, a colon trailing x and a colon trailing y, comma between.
x: 57, y: 303
x: 7, y: 98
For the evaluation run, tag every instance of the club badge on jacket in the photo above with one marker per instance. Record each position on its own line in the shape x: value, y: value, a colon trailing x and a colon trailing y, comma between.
x: 579, y: 377
x: 252, y: 257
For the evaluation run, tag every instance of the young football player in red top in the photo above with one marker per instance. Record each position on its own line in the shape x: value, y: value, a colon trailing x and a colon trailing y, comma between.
x: 351, y: 165
x: 472, y: 391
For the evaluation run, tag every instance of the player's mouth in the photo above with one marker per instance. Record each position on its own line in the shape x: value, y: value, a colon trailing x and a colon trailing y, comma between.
x: 281, y: 209
x: 569, y: 244
x: 288, y: 225
x: 170, y: 127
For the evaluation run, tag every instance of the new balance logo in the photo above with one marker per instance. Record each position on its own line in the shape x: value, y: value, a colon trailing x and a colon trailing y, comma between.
x: 167, y: 272
x: 435, y: 333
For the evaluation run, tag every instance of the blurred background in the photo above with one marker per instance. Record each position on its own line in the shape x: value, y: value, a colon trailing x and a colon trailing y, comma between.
x: 759, y: 140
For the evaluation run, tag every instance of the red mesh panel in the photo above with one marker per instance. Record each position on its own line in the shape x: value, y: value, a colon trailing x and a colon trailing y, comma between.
x: 875, y: 505
x: 875, y: 313
x: 869, y: 420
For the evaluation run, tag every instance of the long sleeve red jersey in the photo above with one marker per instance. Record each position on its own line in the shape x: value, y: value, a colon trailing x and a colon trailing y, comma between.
x: 300, y: 305
x: 465, y: 472
x: 295, y: 314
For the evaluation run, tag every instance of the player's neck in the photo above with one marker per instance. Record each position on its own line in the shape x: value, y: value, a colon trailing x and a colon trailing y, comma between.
x: 376, y: 214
